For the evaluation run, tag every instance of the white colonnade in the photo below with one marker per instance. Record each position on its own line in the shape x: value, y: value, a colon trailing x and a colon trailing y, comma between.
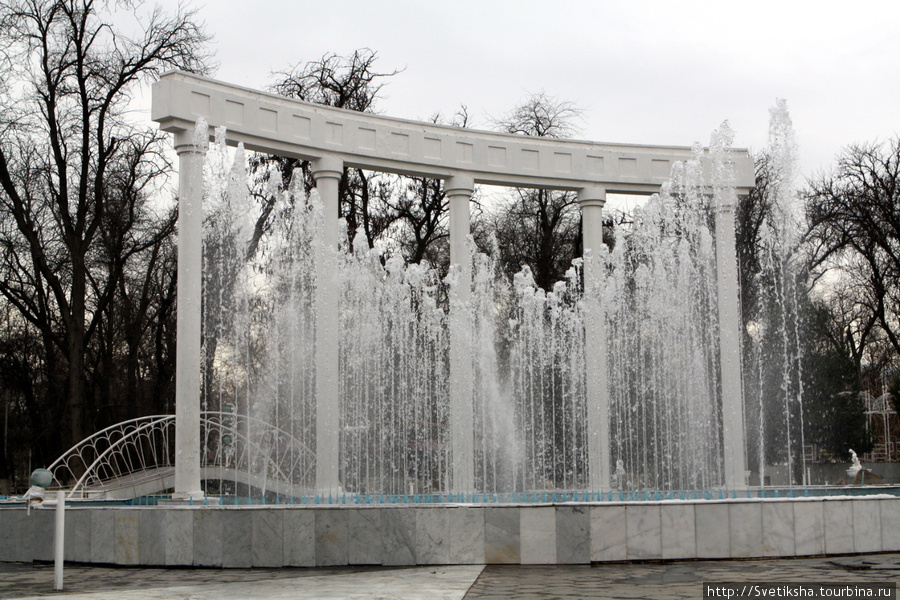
x: 332, y: 139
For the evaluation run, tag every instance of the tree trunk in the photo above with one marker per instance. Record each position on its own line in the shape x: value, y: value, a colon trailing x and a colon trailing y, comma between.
x: 76, y: 349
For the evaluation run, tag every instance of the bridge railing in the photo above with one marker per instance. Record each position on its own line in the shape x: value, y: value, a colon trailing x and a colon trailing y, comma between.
x: 144, y: 449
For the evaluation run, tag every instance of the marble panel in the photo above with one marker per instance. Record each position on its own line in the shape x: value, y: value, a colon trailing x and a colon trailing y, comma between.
x: 237, y: 538
x: 19, y: 528
x: 128, y: 529
x: 809, y: 527
x: 6, y: 550
x: 679, y: 531
x: 78, y: 532
x: 867, y: 529
x: 27, y: 542
x: 299, y: 537
x: 778, y: 528
x: 643, y: 529
x: 365, y: 536
x: 398, y: 536
x: 103, y: 536
x: 745, y: 529
x: 178, y: 537
x: 538, y: 533
x: 208, y: 537
x: 14, y: 524
x: 268, y: 538
x: 9, y: 519
x: 713, y: 531
x: 152, y: 537
x: 838, y: 526
x: 890, y: 524
x: 573, y: 535
x: 608, y: 533
x: 501, y: 536
x: 432, y: 536
x: 332, y: 537
x: 43, y: 532
x: 466, y: 535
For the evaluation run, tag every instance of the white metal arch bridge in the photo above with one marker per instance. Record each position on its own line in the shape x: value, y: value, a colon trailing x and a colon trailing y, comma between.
x: 136, y: 458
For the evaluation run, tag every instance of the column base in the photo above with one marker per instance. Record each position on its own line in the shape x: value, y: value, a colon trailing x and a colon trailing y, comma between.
x: 178, y: 497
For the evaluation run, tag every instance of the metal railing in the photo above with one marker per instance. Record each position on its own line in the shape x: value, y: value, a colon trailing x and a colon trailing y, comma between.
x: 139, y: 454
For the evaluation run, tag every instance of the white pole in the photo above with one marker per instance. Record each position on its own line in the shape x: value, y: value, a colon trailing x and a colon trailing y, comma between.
x: 596, y: 391
x: 327, y: 172
x: 59, y: 540
x: 187, y: 353
x: 458, y: 190
x: 730, y: 344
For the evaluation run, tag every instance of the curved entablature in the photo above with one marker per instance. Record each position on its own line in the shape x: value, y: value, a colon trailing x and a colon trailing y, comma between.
x: 278, y: 125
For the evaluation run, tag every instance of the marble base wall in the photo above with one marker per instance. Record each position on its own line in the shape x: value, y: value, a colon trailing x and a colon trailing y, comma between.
x: 569, y: 533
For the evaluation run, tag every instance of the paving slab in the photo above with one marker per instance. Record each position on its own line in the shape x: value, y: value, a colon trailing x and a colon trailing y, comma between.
x: 674, y: 579
x: 27, y: 581
x: 657, y: 579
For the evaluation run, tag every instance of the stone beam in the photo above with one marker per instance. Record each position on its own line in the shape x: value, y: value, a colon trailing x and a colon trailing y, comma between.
x: 287, y: 127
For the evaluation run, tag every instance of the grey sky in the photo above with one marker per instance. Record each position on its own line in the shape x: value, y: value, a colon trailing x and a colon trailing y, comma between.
x: 644, y: 72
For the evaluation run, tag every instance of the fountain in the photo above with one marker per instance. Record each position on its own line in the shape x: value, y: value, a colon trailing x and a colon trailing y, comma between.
x: 774, y: 366
x: 386, y: 416
x: 523, y: 350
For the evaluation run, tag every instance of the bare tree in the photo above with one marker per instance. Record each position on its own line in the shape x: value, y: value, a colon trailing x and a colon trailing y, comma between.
x: 349, y: 82
x: 851, y: 324
x: 539, y: 228
x: 73, y: 169
x: 542, y: 115
x: 419, y: 209
x: 854, y: 219
x: 409, y: 211
x: 752, y: 212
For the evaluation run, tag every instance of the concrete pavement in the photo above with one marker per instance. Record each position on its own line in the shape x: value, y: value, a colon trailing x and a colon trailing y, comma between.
x: 667, y: 580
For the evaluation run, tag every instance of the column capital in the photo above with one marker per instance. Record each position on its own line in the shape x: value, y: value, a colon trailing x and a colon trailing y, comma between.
x: 594, y: 195
x: 724, y: 198
x: 724, y: 204
x: 327, y: 167
x: 186, y: 143
x: 459, y: 185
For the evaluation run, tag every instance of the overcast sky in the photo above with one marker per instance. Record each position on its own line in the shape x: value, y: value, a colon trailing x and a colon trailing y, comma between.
x: 643, y: 72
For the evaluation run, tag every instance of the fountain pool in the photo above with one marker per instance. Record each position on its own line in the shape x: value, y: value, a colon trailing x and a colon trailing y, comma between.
x: 380, y: 415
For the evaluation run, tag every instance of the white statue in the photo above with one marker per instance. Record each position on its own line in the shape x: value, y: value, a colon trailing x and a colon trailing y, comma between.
x: 855, y: 468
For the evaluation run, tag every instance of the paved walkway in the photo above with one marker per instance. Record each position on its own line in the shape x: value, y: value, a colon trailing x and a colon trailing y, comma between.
x: 674, y: 580
x: 636, y: 580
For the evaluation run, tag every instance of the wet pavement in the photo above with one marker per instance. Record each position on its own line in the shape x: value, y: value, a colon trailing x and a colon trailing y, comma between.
x: 664, y: 580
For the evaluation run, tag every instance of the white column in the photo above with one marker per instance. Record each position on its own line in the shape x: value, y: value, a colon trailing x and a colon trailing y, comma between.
x: 459, y: 190
x: 190, y: 276
x: 596, y: 390
x: 730, y: 342
x: 327, y: 172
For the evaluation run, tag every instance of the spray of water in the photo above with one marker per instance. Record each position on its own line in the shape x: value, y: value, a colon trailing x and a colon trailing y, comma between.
x: 526, y: 345
x: 775, y: 379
